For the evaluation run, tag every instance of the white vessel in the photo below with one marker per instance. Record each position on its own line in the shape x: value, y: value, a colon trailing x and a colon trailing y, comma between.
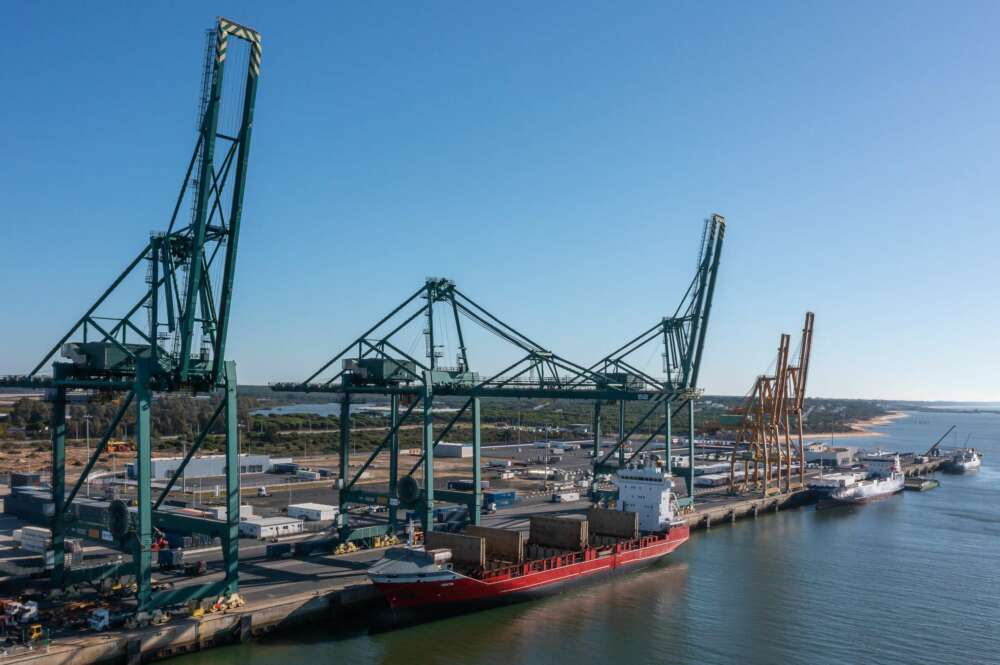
x: 883, y: 482
x: 966, y: 459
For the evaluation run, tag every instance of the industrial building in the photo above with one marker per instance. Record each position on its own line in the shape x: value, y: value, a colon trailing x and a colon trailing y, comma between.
x: 313, y: 512
x: 206, y: 466
x: 220, y: 512
x: 882, y: 462
x: 270, y: 527
x: 461, y: 450
x: 830, y: 455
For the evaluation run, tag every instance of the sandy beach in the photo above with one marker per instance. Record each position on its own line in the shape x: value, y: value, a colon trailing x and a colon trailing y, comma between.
x: 861, y: 428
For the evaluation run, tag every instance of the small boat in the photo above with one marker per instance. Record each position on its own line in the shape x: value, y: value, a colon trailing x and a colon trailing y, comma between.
x: 885, y: 481
x: 966, y: 459
x: 919, y: 484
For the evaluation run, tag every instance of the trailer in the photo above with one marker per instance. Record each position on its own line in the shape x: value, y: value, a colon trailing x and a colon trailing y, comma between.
x: 500, y: 498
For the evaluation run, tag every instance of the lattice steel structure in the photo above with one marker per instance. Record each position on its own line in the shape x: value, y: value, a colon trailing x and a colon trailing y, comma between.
x: 172, y: 339
x: 376, y: 364
x: 764, y: 454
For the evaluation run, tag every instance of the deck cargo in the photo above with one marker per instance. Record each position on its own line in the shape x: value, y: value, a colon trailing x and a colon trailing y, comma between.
x: 484, y: 567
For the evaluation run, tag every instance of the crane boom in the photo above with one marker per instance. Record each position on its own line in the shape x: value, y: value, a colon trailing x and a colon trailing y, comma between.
x: 938, y: 442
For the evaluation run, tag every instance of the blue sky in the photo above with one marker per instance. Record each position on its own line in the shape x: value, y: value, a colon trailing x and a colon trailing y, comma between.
x: 555, y: 159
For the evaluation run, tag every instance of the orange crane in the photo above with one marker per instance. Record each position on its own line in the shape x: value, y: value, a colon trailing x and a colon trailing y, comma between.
x: 763, y: 445
x: 797, y: 377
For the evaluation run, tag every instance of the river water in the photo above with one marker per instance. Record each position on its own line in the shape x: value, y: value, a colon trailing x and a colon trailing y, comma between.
x: 914, y: 578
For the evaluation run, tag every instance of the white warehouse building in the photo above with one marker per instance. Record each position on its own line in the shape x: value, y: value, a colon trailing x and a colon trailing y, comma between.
x: 206, y: 466
x: 270, y: 527
x: 313, y: 512
x: 445, y: 449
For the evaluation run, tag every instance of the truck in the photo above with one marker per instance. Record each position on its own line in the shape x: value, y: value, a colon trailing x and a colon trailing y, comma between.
x: 16, y: 612
x: 103, y: 619
x: 170, y: 559
x: 500, y: 499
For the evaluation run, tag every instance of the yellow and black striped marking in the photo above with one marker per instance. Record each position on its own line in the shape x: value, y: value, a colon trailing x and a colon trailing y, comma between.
x: 226, y: 28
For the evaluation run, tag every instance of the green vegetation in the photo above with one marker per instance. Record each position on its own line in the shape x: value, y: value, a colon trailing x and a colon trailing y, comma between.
x: 177, y: 419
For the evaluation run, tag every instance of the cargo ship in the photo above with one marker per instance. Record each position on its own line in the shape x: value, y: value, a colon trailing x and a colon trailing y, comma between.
x: 484, y: 567
x: 966, y: 459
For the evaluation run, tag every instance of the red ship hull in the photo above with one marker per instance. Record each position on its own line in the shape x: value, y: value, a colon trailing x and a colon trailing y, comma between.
x: 453, y: 591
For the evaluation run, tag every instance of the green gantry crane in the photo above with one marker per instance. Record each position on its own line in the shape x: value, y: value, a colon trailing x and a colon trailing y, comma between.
x: 173, y: 339
x: 376, y: 364
x: 683, y: 338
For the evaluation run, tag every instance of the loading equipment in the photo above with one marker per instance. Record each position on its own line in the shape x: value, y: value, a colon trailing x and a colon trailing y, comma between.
x: 376, y: 363
x: 172, y: 340
x: 764, y: 453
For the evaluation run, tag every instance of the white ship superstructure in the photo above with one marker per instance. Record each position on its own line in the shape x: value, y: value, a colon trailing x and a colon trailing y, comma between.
x: 647, y: 491
x: 830, y: 482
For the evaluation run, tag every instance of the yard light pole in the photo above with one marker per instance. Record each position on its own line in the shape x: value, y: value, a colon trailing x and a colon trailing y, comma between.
x: 87, y: 418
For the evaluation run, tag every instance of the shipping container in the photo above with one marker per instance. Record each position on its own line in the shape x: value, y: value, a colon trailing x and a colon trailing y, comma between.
x: 31, y: 505
x: 170, y: 558
x: 565, y: 496
x: 466, y: 485
x: 442, y: 514
x: 501, y: 499
x: 19, y: 479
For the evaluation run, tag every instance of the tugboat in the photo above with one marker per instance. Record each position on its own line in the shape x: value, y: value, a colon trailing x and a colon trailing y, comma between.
x: 884, y: 481
x: 484, y: 567
x: 965, y: 459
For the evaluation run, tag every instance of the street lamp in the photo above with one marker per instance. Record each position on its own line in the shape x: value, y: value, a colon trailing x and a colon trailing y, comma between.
x: 88, y: 418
